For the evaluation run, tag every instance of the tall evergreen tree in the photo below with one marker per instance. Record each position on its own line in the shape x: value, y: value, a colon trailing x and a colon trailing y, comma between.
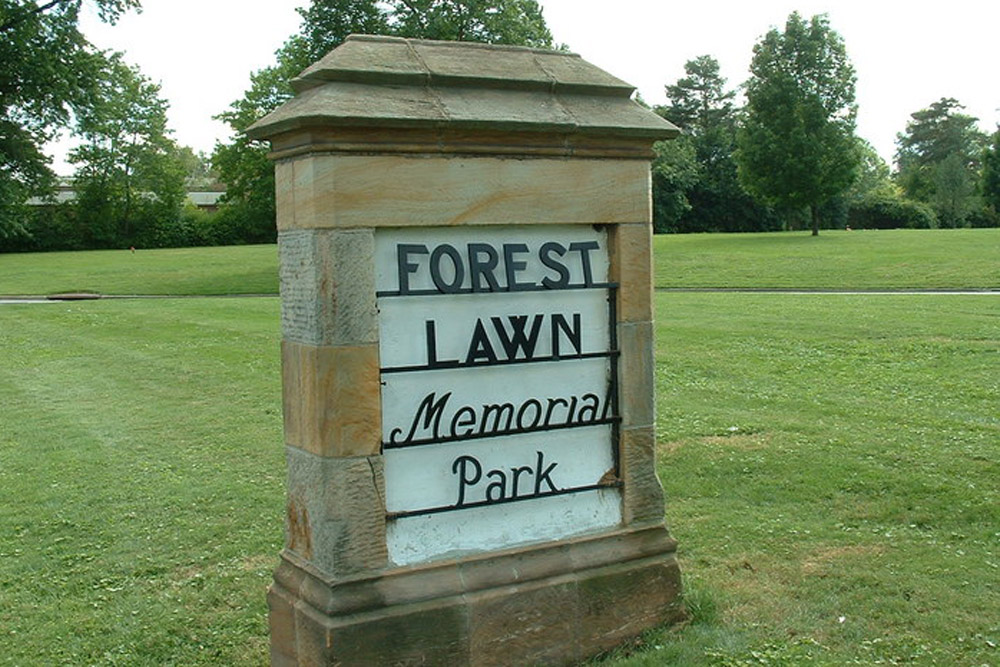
x: 797, y: 147
x: 695, y: 185
x: 991, y: 173
x: 938, y: 159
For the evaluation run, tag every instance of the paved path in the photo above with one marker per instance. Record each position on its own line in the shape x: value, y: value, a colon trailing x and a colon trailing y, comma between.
x: 679, y: 290
x: 769, y: 290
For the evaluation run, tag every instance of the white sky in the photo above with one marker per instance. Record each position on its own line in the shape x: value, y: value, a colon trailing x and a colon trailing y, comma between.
x: 907, y: 54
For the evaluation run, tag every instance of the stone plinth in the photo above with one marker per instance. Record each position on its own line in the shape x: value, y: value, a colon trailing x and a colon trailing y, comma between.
x: 467, y: 359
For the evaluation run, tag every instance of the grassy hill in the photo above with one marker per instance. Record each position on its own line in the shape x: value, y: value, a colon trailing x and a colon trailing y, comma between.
x: 181, y: 271
x: 859, y: 260
x: 863, y: 260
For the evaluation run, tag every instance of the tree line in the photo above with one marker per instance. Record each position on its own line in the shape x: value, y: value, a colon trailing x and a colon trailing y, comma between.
x: 787, y: 158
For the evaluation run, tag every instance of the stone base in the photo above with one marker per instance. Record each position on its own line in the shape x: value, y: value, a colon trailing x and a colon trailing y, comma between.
x: 549, y: 604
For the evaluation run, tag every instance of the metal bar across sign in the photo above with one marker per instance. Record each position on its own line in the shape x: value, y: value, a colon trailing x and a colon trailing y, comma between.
x: 498, y: 359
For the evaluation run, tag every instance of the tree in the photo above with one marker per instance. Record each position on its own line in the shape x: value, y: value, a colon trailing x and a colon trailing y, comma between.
x: 796, y: 148
x: 705, y: 195
x: 497, y: 22
x: 130, y: 177
x: 991, y: 173
x: 248, y: 207
x: 674, y: 173
x: 47, y: 71
x: 938, y: 159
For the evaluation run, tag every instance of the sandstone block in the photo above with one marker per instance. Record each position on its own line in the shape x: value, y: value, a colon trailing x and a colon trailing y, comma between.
x: 331, y: 399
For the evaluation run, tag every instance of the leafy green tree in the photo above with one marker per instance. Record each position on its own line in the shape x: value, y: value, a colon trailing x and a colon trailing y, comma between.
x: 709, y: 197
x: 954, y: 191
x: 47, y: 72
x: 932, y: 137
x: 874, y: 175
x: 674, y: 173
x: 130, y: 177
x: 939, y: 158
x: 494, y: 22
x: 248, y: 207
x: 796, y: 149
x: 991, y: 173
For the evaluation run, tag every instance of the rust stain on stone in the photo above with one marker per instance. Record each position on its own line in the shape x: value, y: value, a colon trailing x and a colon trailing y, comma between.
x: 609, y: 478
x: 299, y: 532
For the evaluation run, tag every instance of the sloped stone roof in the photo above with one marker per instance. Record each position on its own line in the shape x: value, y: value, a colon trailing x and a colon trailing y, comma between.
x: 391, y: 82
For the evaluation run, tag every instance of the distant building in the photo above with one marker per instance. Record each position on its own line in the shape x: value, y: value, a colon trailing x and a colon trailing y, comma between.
x: 205, y: 200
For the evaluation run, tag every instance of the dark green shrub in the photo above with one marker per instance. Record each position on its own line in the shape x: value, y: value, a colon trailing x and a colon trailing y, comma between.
x: 888, y: 212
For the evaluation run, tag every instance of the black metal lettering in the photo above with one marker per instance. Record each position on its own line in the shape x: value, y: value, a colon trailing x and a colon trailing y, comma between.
x: 458, y: 422
x: 545, y: 255
x: 479, y: 268
x: 543, y: 476
x: 515, y: 474
x: 593, y: 405
x: 524, y: 406
x: 574, y: 334
x: 459, y: 269
x: 571, y: 413
x: 499, y: 485
x: 517, y: 339
x: 433, y: 412
x: 497, y: 410
x: 432, y: 358
x: 480, y: 347
x: 584, y: 248
x: 459, y: 468
x: 548, y: 412
x: 513, y: 266
x: 404, y: 266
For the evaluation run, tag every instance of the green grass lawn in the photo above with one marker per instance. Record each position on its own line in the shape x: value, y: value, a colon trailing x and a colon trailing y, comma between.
x: 894, y: 259
x: 830, y: 465
x: 180, y: 271
x: 859, y: 260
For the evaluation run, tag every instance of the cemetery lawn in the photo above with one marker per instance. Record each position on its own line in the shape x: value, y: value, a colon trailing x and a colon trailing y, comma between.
x: 859, y: 260
x: 830, y: 465
x: 839, y: 260
x: 251, y: 269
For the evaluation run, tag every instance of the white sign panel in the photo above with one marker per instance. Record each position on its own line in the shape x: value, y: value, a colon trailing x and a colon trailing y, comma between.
x: 499, y: 404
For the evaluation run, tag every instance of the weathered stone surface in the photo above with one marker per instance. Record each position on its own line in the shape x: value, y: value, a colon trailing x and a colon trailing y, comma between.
x: 619, y: 602
x: 384, y: 59
x: 327, y: 281
x: 281, y: 622
x: 390, y: 82
x: 632, y: 268
x: 514, y: 625
x: 431, y: 634
x: 330, y: 399
x: 563, y: 614
x: 363, y: 191
x: 635, y: 387
x: 339, y: 510
x: 642, y: 494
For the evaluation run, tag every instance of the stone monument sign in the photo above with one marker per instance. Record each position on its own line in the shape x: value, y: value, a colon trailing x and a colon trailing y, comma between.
x: 467, y: 365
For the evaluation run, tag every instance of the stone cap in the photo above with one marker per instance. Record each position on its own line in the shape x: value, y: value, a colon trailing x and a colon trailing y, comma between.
x: 391, y: 82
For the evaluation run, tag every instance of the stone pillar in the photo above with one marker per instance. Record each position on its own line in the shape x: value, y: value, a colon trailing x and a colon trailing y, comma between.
x: 467, y: 359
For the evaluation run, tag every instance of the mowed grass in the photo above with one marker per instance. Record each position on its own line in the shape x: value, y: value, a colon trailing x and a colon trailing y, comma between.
x: 830, y: 465
x: 857, y: 260
x: 141, y: 481
x: 837, y: 260
x: 179, y: 271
